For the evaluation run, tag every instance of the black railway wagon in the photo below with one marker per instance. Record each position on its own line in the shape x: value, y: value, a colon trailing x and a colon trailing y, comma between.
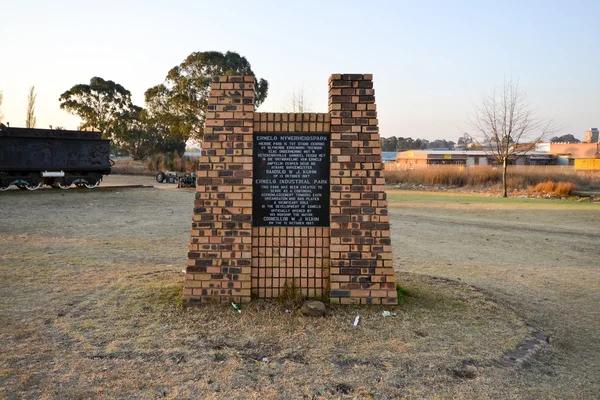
x: 30, y: 158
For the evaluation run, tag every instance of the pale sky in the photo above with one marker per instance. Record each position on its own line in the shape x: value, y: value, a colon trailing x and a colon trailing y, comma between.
x: 431, y: 60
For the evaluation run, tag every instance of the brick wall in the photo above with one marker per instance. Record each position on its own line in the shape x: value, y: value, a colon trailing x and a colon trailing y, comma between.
x: 351, y: 260
x: 361, y: 269
x: 220, y: 251
x: 291, y: 122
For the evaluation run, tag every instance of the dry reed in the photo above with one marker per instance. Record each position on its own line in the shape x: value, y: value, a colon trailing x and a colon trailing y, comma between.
x: 522, y: 177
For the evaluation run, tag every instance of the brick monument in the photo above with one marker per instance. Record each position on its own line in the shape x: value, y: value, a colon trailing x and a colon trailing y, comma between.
x: 291, y: 200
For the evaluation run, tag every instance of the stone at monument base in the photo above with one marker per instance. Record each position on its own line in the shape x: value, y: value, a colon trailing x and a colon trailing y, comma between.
x: 313, y: 308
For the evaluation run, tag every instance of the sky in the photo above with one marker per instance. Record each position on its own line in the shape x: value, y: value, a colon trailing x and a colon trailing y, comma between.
x: 431, y: 60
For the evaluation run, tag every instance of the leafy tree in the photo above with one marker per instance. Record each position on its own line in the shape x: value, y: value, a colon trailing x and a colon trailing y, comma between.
x: 565, y: 139
x: 140, y: 135
x: 465, y: 140
x: 389, y: 144
x: 441, y: 144
x: 403, y: 144
x: 421, y: 144
x: 100, y: 104
x: 30, y: 120
x: 131, y: 134
x: 505, y: 124
x: 179, y: 104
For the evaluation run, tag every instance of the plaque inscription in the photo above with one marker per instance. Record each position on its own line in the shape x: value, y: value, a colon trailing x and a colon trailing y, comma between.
x: 291, y: 179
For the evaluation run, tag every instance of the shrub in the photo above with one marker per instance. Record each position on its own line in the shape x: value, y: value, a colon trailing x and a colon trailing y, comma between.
x: 172, y: 162
x: 555, y: 188
x: 564, y: 188
x: 545, y: 187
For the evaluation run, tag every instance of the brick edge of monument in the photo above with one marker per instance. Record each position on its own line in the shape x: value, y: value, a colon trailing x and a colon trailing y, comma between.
x: 349, y: 262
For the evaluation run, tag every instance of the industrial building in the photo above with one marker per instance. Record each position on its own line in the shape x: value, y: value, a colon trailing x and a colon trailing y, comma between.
x: 426, y: 158
x: 567, y: 153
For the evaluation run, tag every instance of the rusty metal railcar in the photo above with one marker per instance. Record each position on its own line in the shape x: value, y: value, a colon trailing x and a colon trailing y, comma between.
x: 30, y: 158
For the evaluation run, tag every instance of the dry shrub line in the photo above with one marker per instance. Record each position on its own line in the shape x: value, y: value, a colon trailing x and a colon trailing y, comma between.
x: 172, y: 162
x: 563, y: 181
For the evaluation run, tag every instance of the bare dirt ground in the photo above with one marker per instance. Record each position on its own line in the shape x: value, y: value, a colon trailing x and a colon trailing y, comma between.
x: 540, y: 256
x: 91, y: 282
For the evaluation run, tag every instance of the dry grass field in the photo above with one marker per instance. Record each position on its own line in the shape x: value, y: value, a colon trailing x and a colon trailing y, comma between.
x: 90, y: 285
x: 539, y: 256
x: 552, y: 180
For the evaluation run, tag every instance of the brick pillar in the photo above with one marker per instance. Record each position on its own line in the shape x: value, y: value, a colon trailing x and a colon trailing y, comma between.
x: 220, y: 252
x: 361, y: 253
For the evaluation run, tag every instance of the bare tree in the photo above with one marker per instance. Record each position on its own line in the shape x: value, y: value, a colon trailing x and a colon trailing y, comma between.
x: 30, y: 119
x: 506, y: 125
x: 297, y: 103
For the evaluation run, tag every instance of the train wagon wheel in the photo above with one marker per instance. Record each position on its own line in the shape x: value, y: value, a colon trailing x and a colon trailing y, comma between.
x: 64, y: 185
x: 33, y: 187
x: 92, y: 185
x: 21, y: 186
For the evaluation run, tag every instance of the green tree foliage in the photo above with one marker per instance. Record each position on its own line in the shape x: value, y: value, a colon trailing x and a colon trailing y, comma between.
x: 100, y: 104
x: 107, y: 106
x: 179, y: 104
x: 389, y: 144
x: 441, y: 144
x: 565, y: 139
x: 140, y: 135
x: 132, y: 134
x: 402, y: 144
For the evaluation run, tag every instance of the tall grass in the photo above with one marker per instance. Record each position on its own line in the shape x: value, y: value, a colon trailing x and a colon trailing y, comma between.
x: 521, y: 177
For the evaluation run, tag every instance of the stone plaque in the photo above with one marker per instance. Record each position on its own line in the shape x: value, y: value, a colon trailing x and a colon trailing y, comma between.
x: 291, y: 179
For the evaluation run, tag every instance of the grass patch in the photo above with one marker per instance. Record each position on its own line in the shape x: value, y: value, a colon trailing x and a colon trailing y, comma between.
x: 291, y: 296
x: 402, y: 293
x: 470, y: 200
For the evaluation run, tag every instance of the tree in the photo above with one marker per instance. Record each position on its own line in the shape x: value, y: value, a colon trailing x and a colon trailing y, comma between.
x: 505, y: 124
x: 140, y: 136
x: 30, y: 120
x: 100, y: 104
x: 131, y: 134
x: 565, y: 139
x: 389, y: 144
x: 297, y: 103
x: 465, y: 140
x: 180, y: 103
x: 441, y: 144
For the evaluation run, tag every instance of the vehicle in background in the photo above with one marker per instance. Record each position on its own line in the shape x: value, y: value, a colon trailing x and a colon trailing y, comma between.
x: 30, y: 158
x: 182, y: 179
